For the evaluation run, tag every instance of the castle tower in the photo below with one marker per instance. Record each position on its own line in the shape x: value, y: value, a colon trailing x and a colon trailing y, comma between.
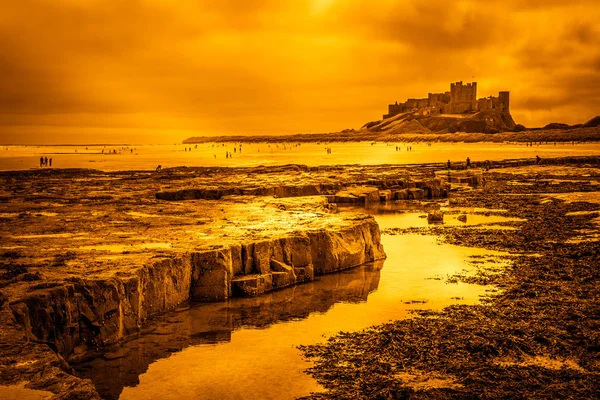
x: 504, y: 99
x: 463, y: 98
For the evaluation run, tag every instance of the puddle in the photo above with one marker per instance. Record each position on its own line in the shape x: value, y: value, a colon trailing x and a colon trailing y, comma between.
x: 541, y: 361
x: 9, y: 215
x: 142, y: 215
x: 119, y: 248
x: 198, y: 352
x: 573, y: 197
x: 49, y: 235
x: 397, y: 216
x: 20, y: 392
x: 45, y: 214
x: 575, y: 213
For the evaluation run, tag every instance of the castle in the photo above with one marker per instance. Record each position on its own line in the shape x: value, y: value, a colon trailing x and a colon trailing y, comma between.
x: 459, y: 100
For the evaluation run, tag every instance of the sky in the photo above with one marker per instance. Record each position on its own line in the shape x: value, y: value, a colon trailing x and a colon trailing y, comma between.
x: 159, y: 71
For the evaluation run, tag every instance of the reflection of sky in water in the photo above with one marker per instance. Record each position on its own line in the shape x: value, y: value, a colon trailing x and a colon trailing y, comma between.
x: 264, y: 363
x: 148, y: 157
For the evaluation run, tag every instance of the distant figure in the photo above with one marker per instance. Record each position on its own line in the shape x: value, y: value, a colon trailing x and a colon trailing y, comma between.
x: 159, y: 168
x: 41, y: 161
x: 468, y: 162
x: 46, y: 161
x: 50, y: 161
x: 537, y: 159
x: 449, y: 165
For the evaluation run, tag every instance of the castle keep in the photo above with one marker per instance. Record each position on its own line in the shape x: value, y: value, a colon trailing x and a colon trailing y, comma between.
x: 459, y: 100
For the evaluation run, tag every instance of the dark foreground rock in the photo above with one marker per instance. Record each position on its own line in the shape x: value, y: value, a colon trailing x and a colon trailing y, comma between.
x: 537, y: 337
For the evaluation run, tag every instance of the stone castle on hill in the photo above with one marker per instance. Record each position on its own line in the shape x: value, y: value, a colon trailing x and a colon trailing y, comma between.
x: 460, y: 99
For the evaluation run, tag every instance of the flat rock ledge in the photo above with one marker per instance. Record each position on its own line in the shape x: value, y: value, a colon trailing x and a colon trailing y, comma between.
x: 82, y: 270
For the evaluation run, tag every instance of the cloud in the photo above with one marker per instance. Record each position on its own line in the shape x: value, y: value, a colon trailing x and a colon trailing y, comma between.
x: 266, y: 66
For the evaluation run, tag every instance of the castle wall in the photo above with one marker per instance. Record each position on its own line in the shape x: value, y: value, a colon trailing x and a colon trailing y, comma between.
x: 462, y: 98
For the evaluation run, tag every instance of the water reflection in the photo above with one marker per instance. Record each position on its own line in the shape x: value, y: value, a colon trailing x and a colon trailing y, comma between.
x: 214, y: 323
x: 246, y: 348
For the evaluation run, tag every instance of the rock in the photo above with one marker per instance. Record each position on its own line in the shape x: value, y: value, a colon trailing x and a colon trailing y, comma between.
x: 416, y: 194
x: 252, y: 285
x: 358, y: 195
x: 435, y: 217
x: 385, y: 195
x: 283, y: 275
x: 462, y: 218
x: 401, y: 194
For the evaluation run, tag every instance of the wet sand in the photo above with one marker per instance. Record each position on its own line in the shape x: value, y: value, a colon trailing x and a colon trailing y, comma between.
x: 148, y: 157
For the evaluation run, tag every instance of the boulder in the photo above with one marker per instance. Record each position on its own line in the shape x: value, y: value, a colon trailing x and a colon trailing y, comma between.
x: 415, y: 194
x: 435, y: 217
x: 252, y: 285
x: 385, y: 195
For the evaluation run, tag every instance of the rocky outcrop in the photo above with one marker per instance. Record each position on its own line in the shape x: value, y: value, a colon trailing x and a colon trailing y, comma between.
x: 83, y: 316
x: 256, y: 268
x: 369, y: 191
x: 37, y: 364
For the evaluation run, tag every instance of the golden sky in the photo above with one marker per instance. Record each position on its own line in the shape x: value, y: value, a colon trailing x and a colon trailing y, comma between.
x: 139, y: 71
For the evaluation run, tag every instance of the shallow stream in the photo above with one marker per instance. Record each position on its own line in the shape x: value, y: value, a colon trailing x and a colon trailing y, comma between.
x: 246, y: 348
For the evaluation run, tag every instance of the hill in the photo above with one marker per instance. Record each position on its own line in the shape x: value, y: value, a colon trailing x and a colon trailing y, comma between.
x: 489, y: 121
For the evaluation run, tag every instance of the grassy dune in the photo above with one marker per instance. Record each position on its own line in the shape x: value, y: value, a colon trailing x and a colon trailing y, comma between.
x: 550, y: 135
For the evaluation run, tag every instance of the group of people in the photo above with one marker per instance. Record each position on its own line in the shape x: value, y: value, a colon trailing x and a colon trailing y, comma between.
x: 45, y: 162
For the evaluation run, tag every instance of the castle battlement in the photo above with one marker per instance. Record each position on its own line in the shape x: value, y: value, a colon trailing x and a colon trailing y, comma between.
x: 461, y: 99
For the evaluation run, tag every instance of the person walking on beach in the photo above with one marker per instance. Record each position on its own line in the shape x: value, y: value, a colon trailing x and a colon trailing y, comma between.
x: 468, y: 162
x: 537, y: 159
x: 46, y: 161
x: 449, y: 165
x: 41, y: 161
x: 50, y: 161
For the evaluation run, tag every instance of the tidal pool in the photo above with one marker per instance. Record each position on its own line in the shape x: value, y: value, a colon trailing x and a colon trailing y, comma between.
x: 246, y: 348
